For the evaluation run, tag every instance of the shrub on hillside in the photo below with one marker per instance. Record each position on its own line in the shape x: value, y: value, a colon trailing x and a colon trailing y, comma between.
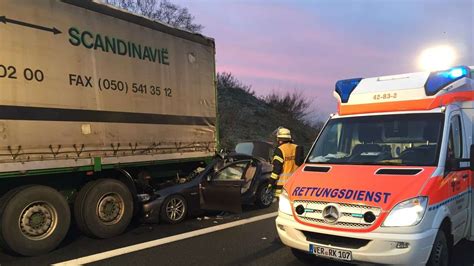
x: 243, y: 116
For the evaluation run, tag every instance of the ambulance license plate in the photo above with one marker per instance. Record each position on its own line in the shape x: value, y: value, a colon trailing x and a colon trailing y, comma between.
x: 333, y: 253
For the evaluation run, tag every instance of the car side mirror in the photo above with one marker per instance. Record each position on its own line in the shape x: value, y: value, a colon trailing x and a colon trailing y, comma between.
x: 452, y: 164
x: 471, y: 159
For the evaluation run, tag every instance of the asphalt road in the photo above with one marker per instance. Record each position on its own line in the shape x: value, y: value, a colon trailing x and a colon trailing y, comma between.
x: 254, y: 243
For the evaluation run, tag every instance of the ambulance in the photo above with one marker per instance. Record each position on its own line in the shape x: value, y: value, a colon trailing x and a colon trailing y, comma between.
x: 389, y: 179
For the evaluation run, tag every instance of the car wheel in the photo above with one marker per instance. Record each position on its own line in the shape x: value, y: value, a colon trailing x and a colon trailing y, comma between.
x: 34, y: 220
x: 439, y: 253
x: 264, y: 196
x: 103, y: 208
x: 174, y: 209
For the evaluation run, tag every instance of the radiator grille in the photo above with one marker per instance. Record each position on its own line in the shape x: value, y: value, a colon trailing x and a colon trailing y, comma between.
x: 350, y: 215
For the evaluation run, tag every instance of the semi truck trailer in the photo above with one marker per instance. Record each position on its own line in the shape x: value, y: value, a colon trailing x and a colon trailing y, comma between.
x: 94, y: 101
x: 389, y: 180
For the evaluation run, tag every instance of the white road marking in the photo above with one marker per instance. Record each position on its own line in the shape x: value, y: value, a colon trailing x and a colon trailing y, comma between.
x: 162, y: 241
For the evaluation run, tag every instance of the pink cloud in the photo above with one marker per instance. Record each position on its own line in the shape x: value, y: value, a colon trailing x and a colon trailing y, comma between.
x: 299, y: 44
x: 256, y: 72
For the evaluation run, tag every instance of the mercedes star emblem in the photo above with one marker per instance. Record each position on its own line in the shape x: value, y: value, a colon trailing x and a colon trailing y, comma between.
x: 331, y: 214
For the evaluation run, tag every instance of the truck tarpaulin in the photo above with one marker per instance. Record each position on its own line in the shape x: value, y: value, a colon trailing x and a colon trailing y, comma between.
x: 79, y: 81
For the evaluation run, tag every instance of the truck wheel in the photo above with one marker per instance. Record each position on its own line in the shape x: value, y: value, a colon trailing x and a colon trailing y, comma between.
x: 103, y: 208
x: 79, y: 206
x: 34, y: 220
x: 264, y: 196
x: 174, y: 209
x: 439, y: 253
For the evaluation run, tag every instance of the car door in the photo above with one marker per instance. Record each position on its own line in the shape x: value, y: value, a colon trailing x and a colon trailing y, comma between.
x: 221, y: 190
x: 458, y: 176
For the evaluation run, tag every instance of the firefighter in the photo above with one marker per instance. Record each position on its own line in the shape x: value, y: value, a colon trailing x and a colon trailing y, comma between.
x: 286, y: 159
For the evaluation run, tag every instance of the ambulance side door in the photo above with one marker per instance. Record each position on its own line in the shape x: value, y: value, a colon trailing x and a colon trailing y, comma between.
x: 458, y: 176
x: 468, y: 130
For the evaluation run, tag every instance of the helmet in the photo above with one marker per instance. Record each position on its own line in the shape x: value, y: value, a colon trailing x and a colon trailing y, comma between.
x: 283, y: 133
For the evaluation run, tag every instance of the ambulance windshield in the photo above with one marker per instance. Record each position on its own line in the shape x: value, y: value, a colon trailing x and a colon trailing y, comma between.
x: 408, y: 139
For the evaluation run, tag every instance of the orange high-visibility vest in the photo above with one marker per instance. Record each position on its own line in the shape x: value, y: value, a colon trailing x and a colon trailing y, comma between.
x: 288, y: 151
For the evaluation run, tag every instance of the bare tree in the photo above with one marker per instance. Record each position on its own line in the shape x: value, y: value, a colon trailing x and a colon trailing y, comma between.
x: 164, y: 11
x: 295, y: 104
x: 227, y: 80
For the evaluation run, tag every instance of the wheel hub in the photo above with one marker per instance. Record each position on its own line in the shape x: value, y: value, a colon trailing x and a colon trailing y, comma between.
x: 175, y: 209
x: 37, y: 220
x: 267, y: 195
x: 110, y: 208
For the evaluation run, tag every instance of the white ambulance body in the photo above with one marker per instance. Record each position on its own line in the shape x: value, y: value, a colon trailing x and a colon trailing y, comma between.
x: 390, y: 177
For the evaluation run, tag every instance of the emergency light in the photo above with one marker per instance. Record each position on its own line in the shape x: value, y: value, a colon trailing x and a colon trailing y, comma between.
x: 440, y: 79
x: 345, y: 87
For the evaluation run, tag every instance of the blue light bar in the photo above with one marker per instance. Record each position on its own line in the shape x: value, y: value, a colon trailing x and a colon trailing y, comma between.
x: 345, y: 87
x: 440, y: 79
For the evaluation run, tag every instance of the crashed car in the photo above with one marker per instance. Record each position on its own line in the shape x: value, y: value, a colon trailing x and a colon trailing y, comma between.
x: 228, y: 182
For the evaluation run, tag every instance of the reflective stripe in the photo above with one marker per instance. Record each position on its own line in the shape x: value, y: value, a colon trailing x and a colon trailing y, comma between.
x: 283, y: 178
x: 274, y: 176
x: 281, y: 181
x: 278, y: 158
x: 277, y: 192
x: 286, y: 175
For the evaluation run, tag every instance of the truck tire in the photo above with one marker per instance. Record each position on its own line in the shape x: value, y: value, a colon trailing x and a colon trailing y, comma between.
x: 103, y: 208
x: 440, y: 252
x: 264, y: 196
x: 79, y: 206
x: 174, y: 209
x: 34, y: 220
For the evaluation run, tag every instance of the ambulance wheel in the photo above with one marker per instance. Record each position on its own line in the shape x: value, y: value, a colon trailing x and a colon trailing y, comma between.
x: 439, y: 253
x: 103, y: 208
x: 34, y: 220
x: 174, y: 209
x: 264, y: 196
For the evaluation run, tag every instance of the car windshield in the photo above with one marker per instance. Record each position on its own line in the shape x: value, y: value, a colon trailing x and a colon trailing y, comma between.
x: 409, y: 139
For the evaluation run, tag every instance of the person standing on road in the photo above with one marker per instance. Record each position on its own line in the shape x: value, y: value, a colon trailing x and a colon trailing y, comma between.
x: 286, y: 159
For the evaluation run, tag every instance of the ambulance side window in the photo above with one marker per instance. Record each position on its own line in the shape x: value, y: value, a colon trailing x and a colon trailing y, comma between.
x: 455, y: 139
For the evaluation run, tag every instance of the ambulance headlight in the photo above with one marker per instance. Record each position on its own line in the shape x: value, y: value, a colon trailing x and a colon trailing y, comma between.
x: 284, y: 204
x: 407, y: 213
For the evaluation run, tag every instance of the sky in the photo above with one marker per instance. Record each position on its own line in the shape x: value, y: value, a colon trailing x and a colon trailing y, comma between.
x: 307, y: 45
